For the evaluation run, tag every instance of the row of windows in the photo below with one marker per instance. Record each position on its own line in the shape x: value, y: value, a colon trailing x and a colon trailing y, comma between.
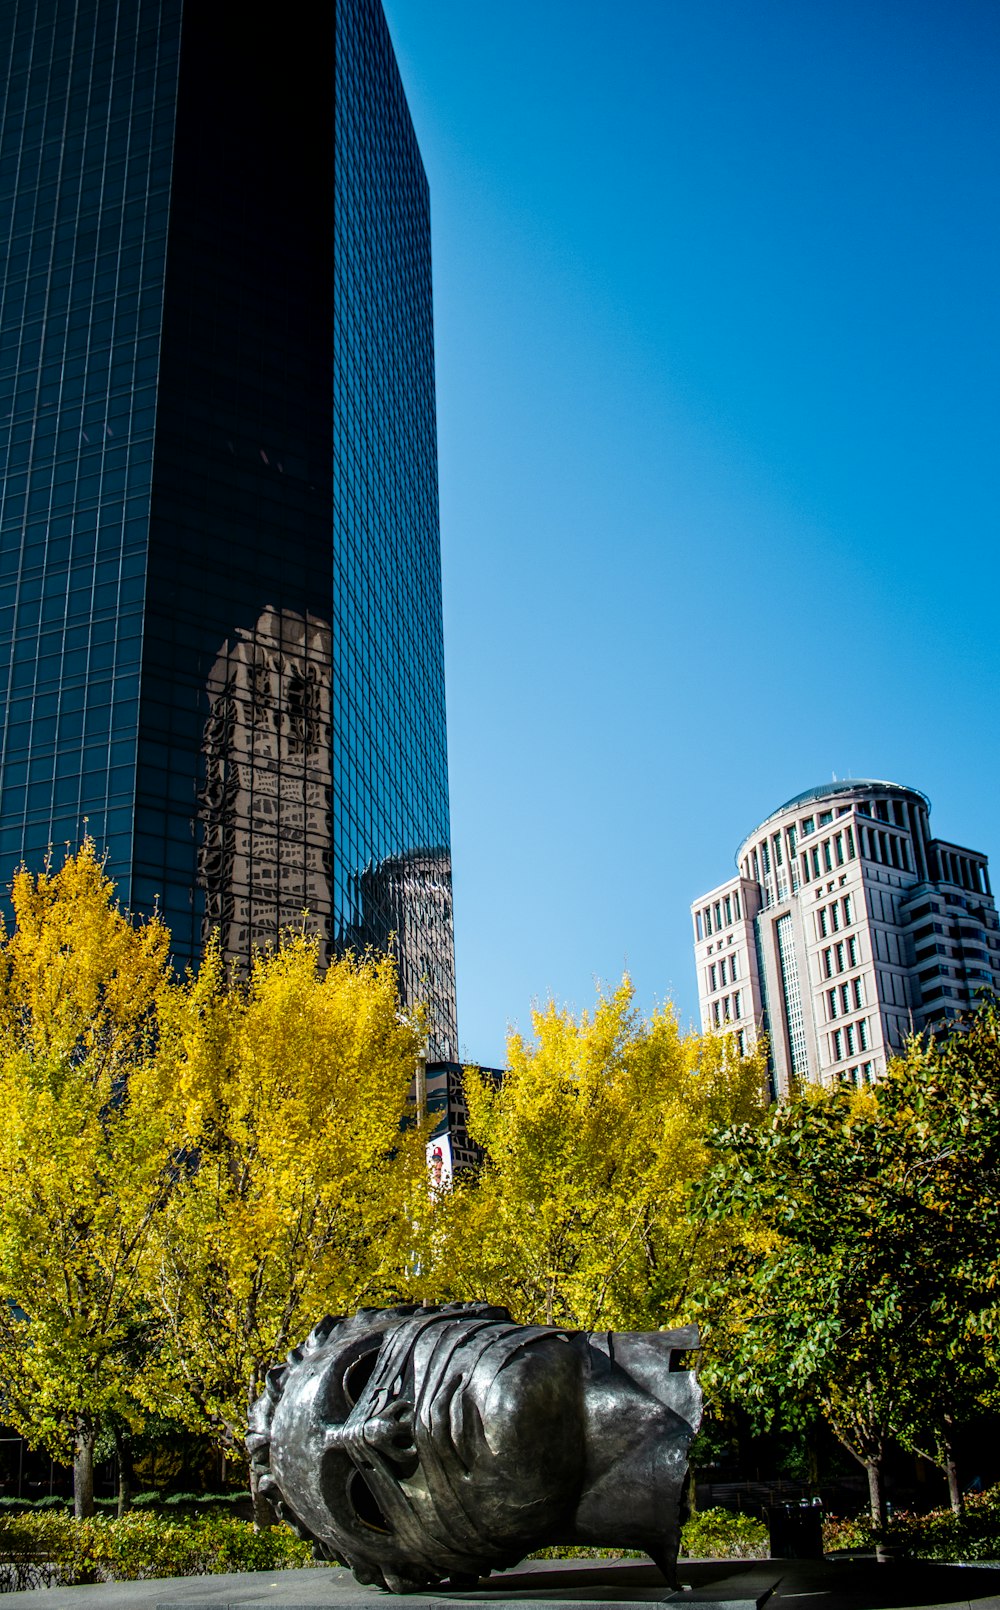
x: 727, y: 1010
x: 853, y: 1037
x: 768, y: 851
x: 862, y: 1073
x: 723, y: 972
x: 722, y: 914
x: 888, y: 849
x: 821, y: 858
x: 839, y: 957
x: 844, y: 998
x: 830, y: 919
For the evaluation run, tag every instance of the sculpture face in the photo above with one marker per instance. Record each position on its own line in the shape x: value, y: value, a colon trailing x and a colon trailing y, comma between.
x: 420, y: 1444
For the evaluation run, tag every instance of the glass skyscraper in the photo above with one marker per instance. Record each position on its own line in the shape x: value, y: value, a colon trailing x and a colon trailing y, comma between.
x: 220, y: 600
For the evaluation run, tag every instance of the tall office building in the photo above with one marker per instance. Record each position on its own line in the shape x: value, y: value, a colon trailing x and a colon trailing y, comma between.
x: 847, y: 928
x: 220, y: 602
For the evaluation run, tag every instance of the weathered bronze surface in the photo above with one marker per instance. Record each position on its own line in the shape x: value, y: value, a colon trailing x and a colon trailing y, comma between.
x: 432, y: 1445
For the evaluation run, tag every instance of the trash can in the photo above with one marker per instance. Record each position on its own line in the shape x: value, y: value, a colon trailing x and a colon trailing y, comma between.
x: 796, y: 1530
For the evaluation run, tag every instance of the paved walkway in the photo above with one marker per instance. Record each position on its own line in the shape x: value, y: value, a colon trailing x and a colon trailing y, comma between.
x: 855, y: 1584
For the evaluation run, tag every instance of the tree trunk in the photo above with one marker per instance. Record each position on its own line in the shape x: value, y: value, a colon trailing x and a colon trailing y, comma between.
x: 264, y: 1517
x: 950, y: 1466
x: 876, y: 1494
x: 814, y: 1459
x: 124, y: 1455
x: 83, y: 1471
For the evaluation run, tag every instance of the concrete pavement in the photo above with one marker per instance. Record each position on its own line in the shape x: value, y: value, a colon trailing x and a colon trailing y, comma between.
x: 838, y: 1584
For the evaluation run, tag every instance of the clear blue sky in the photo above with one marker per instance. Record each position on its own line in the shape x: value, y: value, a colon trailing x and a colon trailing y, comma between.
x: 717, y: 343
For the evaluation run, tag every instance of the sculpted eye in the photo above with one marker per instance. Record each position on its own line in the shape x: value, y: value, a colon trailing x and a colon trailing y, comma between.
x: 365, y: 1504
x: 358, y: 1374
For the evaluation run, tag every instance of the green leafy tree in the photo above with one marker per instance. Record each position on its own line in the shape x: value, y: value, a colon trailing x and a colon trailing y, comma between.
x: 593, y: 1138
x: 88, y: 1122
x: 871, y: 1294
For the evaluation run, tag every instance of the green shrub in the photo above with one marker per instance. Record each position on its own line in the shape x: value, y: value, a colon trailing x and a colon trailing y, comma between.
x: 938, y: 1535
x: 568, y: 1551
x: 721, y: 1534
x: 42, y: 1550
x: 847, y: 1532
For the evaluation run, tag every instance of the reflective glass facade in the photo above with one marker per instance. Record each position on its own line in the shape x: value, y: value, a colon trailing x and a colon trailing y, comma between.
x: 220, y: 610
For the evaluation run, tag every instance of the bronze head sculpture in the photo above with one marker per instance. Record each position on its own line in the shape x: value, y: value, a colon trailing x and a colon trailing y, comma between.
x: 430, y: 1445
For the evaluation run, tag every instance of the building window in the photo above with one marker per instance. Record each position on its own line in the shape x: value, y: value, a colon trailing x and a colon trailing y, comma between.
x: 715, y: 1013
x: 729, y: 910
x: 837, y: 1041
x: 736, y: 906
x: 791, y: 990
x: 712, y: 977
x: 863, y: 1033
x: 849, y: 1040
x: 699, y: 930
x: 866, y: 1072
x: 741, y: 1041
x: 828, y: 963
x: 815, y: 861
x: 733, y: 969
x: 831, y: 1001
x: 822, y: 925
x: 736, y: 1005
x: 835, y: 918
x: 859, y: 992
x: 839, y: 948
x: 852, y: 951
x: 717, y: 914
x: 792, y: 842
x: 838, y: 845
x: 850, y: 844
x: 827, y: 858
x: 776, y: 841
x: 845, y: 998
x: 765, y: 856
x: 807, y: 826
x: 848, y: 909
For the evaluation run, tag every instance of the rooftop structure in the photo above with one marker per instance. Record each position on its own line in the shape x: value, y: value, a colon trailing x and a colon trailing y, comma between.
x: 847, y: 928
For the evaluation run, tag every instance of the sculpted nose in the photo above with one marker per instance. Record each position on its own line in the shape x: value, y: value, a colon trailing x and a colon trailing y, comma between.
x: 391, y: 1431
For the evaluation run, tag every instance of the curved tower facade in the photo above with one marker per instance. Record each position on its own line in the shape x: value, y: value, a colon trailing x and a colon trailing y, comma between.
x: 847, y: 928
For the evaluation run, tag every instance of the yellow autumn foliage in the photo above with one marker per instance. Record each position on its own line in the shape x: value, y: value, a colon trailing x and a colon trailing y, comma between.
x: 88, y: 1121
x: 594, y: 1139
x: 300, y: 1184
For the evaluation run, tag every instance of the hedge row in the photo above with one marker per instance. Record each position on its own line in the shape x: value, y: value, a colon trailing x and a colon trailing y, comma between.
x: 52, y: 1549
x: 712, y: 1534
x: 935, y: 1536
x: 198, y: 1502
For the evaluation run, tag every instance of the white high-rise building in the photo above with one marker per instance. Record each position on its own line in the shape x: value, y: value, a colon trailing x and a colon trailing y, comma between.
x: 847, y: 928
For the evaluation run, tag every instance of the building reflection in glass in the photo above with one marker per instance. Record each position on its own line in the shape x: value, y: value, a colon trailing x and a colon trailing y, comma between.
x: 404, y: 905
x: 264, y: 862
x: 265, y: 809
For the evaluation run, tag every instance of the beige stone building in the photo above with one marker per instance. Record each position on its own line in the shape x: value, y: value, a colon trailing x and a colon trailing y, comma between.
x: 846, y: 928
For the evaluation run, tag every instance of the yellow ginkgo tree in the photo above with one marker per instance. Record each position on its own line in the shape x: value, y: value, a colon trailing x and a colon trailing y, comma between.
x: 88, y: 1127
x: 580, y: 1215
x: 301, y: 1179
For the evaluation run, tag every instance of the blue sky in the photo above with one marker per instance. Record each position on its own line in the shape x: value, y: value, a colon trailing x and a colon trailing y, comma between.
x: 717, y: 348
